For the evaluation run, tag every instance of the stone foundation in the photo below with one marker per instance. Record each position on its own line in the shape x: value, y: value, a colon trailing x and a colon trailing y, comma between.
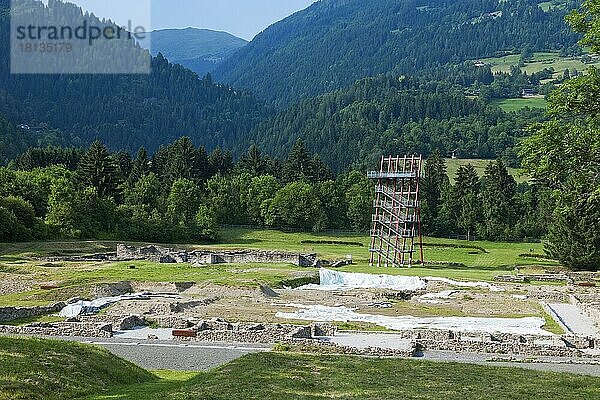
x: 8, y: 314
x: 532, y: 277
x: 64, y: 329
x: 217, y: 330
x: 205, y: 257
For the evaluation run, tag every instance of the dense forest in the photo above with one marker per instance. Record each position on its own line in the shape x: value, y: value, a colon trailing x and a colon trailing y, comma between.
x: 398, y: 115
x: 311, y: 174
x: 124, y: 111
x: 183, y: 193
x: 437, y: 107
x: 335, y: 42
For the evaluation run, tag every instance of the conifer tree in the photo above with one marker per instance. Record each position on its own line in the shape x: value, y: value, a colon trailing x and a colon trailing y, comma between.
x: 98, y: 170
x: 499, y: 207
x: 140, y: 168
x: 433, y: 185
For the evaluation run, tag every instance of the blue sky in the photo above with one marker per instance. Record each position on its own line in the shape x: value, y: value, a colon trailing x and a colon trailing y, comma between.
x: 243, y: 18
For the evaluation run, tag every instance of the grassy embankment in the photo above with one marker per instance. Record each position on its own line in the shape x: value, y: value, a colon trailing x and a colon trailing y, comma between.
x: 45, y: 369
x: 50, y: 370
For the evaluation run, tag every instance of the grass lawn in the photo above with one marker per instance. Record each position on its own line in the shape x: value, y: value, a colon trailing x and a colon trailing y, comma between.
x: 76, y: 279
x: 510, y: 105
x: 452, y: 165
x: 35, y: 369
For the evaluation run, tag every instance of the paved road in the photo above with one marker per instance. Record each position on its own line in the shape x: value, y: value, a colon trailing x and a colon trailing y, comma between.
x: 571, y: 316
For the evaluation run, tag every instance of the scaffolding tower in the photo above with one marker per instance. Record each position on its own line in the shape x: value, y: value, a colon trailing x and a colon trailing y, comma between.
x: 397, y: 216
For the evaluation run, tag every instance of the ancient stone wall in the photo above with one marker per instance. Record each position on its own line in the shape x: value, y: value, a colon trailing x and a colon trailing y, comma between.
x: 8, y: 314
x: 64, y: 329
x: 205, y: 257
x: 532, y: 277
x: 583, y: 276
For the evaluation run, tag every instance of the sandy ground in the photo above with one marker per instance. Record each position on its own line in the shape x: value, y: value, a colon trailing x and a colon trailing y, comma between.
x: 256, y: 305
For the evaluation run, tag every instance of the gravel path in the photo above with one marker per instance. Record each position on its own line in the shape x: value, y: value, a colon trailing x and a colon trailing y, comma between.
x: 552, y: 364
x: 366, y: 340
x: 178, y: 357
x: 175, y: 356
x: 202, y: 356
x: 571, y: 316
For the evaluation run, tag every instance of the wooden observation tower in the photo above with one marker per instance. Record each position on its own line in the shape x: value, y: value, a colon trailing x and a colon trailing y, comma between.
x: 397, y: 219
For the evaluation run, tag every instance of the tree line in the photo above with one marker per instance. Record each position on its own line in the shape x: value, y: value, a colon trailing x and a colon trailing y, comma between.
x: 563, y: 154
x: 491, y: 207
x: 182, y: 193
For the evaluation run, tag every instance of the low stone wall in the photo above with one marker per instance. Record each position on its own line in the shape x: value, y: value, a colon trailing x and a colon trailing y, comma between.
x: 532, y: 277
x: 528, y: 350
x: 205, y: 257
x: 523, y: 345
x: 549, y: 296
x: 8, y: 314
x: 218, y: 330
x: 583, y: 276
x: 84, y: 258
x: 323, y: 347
x: 63, y: 329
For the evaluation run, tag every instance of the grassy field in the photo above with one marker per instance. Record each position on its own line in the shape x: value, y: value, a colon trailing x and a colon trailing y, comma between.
x: 538, y: 62
x: 510, y: 105
x: 50, y: 370
x: 474, y: 261
x: 452, y: 165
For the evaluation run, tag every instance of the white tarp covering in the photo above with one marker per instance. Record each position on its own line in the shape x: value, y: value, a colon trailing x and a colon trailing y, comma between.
x: 318, y: 313
x: 434, y: 298
x: 482, y: 285
x: 85, y: 307
x: 334, y: 280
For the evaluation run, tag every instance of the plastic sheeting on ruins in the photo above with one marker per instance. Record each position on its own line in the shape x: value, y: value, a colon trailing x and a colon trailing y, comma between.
x: 335, y: 280
x: 85, y: 307
x: 319, y: 313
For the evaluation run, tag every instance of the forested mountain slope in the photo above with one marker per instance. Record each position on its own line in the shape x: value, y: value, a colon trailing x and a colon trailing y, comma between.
x: 391, y: 115
x: 200, y: 50
x: 335, y: 42
x: 125, y: 111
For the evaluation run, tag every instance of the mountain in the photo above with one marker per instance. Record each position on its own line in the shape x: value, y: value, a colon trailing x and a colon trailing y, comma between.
x: 397, y: 115
x: 124, y: 111
x: 200, y: 50
x: 333, y: 43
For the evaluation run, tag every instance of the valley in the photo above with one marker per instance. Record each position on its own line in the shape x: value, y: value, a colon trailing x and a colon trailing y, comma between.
x: 369, y: 199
